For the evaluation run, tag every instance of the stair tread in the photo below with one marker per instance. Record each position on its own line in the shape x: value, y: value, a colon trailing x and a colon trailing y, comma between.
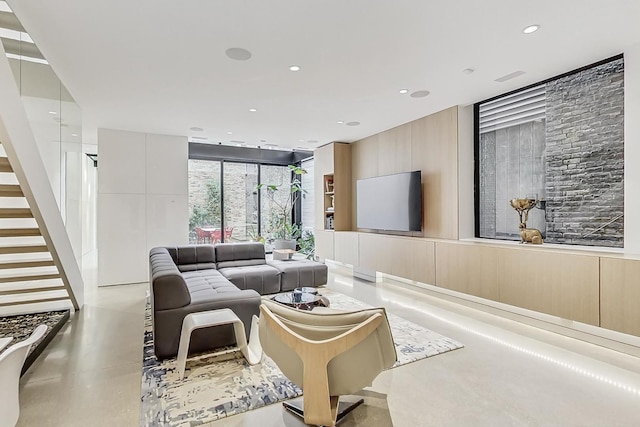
x: 32, y: 290
x: 27, y: 263
x: 29, y: 278
x: 16, y: 213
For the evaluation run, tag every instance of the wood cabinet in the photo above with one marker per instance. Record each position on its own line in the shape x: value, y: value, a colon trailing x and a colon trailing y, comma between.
x: 620, y: 294
x: 467, y: 268
x: 332, y: 180
x: 561, y: 284
x: 346, y: 247
x: 324, y: 244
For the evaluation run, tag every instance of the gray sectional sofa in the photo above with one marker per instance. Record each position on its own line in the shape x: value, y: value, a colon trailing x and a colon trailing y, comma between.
x: 194, y: 278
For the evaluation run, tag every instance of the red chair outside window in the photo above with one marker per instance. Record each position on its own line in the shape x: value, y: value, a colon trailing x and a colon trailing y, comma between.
x: 227, y: 233
x: 215, y: 236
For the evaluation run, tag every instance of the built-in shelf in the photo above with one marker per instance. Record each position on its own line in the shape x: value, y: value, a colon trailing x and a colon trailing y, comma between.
x: 328, y: 202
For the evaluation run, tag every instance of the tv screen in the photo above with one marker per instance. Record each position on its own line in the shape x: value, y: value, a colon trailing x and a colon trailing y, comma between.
x: 390, y: 202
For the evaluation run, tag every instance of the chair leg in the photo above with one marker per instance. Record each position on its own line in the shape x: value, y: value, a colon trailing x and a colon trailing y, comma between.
x: 296, y: 406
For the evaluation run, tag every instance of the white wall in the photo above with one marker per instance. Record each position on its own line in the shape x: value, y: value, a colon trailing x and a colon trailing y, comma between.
x: 142, y: 201
x: 466, y: 201
x: 632, y: 149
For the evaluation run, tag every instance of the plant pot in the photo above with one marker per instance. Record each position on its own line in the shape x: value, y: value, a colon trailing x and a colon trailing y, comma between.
x: 283, y: 244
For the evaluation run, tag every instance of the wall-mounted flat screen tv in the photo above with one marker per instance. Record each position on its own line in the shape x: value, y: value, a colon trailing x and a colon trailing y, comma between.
x: 390, y: 202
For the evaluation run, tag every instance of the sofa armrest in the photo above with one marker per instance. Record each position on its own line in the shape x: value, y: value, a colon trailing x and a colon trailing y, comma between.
x: 168, y: 287
x: 169, y: 290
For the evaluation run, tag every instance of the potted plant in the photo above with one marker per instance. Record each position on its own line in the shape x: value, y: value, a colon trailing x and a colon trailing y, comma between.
x: 283, y: 198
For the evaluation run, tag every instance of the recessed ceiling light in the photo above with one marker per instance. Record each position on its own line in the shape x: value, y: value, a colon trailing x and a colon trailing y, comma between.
x: 253, y: 110
x: 74, y: 134
x: 294, y: 68
x: 301, y: 140
x: 196, y: 129
x: 52, y: 112
x: 468, y: 71
x: 238, y: 53
x: 353, y: 123
x: 340, y: 122
x: 531, y: 29
x: 420, y: 94
x: 229, y: 133
x: 404, y: 90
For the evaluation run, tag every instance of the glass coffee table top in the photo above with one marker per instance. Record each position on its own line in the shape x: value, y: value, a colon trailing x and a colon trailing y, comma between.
x: 302, y: 300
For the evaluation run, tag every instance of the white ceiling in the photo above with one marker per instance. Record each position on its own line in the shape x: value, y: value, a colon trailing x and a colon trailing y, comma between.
x: 159, y: 66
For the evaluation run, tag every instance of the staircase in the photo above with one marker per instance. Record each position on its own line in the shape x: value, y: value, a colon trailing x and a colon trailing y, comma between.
x: 30, y: 280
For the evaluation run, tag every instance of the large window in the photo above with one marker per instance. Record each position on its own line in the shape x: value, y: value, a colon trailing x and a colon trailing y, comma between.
x: 307, y: 196
x: 205, y: 199
x: 240, y: 198
x: 559, y: 144
x: 270, y: 215
x: 225, y: 204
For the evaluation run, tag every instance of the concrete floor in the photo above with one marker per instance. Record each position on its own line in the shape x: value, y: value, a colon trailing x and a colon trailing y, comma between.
x: 508, y: 374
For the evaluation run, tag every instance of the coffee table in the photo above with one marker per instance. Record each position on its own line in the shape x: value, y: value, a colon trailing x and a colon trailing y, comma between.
x: 302, y: 300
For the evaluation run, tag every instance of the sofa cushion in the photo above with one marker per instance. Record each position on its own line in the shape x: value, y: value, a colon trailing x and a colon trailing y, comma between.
x: 299, y: 273
x: 193, y: 257
x: 262, y: 278
x: 239, y: 254
x: 205, y: 285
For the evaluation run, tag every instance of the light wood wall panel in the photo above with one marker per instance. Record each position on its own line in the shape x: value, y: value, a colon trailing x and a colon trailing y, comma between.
x: 394, y: 150
x: 324, y: 244
x: 323, y: 165
x: 434, y: 151
x: 467, y: 268
x: 620, y: 295
x: 560, y: 284
x: 364, y: 164
x: 346, y: 247
x: 342, y: 186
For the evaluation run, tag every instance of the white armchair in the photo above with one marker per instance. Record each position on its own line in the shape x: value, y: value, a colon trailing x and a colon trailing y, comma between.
x: 327, y: 354
x: 11, y: 362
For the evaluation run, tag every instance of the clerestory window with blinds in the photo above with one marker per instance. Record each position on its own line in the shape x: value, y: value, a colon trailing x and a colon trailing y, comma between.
x: 560, y: 144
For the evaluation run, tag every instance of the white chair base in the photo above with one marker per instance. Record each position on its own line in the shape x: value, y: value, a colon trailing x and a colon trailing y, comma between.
x: 252, y: 351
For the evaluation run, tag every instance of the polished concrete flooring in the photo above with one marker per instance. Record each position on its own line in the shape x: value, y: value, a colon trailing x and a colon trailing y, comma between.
x: 508, y: 374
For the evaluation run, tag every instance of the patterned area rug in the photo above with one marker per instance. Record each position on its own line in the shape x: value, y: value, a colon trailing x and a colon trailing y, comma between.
x: 217, y: 387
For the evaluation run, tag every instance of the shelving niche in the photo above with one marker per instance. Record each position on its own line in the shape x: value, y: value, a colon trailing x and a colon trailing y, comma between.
x: 328, y: 209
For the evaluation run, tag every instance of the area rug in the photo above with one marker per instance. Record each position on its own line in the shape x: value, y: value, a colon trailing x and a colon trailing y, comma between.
x: 217, y: 387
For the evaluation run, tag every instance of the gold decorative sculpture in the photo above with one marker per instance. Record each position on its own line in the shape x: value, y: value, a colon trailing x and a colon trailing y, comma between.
x: 523, y: 206
x: 530, y: 235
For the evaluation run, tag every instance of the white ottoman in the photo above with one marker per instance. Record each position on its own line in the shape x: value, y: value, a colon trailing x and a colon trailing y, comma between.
x: 251, y: 351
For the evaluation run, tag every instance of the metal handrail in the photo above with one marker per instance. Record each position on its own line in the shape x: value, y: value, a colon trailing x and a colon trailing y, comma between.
x: 598, y: 229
